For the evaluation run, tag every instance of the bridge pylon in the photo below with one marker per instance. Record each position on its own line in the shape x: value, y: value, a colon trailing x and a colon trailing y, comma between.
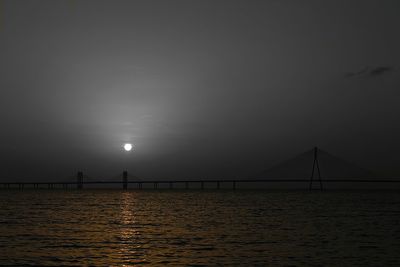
x: 315, y: 166
x: 79, y: 180
x: 125, y: 180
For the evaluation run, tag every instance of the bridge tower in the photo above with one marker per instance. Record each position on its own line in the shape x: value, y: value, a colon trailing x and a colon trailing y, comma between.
x: 125, y: 180
x: 79, y: 180
x: 315, y: 165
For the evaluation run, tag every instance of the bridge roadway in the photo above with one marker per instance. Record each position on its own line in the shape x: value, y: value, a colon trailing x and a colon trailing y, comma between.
x: 186, y: 183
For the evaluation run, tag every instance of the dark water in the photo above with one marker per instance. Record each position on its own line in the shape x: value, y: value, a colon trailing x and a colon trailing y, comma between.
x: 242, y: 228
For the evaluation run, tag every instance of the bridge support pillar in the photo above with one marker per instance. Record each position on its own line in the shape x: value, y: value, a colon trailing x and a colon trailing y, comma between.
x: 79, y: 180
x: 125, y: 180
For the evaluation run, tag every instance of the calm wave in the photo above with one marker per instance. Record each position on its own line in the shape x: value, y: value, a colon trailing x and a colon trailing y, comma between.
x: 157, y: 228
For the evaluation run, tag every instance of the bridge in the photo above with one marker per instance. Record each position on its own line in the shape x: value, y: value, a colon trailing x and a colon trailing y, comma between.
x: 132, y: 182
x: 201, y: 184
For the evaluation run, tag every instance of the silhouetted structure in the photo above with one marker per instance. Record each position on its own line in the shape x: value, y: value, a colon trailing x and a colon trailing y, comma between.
x: 125, y: 180
x: 315, y: 164
x: 318, y: 162
x: 200, y: 183
x: 292, y: 171
x: 79, y: 181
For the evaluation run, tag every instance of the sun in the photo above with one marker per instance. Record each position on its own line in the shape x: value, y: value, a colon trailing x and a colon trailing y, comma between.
x: 128, y: 147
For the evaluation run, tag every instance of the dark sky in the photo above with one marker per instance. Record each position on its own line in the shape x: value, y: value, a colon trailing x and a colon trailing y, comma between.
x: 202, y: 88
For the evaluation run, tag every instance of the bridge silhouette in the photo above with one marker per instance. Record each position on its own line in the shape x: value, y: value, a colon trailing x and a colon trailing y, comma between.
x: 312, y: 168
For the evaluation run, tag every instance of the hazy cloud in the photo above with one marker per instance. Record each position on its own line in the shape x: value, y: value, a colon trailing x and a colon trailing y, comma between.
x: 358, y: 73
x: 379, y: 71
x: 367, y: 71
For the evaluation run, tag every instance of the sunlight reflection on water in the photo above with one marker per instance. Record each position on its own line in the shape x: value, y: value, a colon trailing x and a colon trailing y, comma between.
x: 112, y: 227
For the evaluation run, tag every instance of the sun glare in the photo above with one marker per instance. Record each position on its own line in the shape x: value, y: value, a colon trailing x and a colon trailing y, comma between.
x: 128, y: 147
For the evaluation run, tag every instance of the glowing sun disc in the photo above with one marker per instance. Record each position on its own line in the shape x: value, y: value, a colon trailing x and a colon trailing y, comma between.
x: 128, y: 147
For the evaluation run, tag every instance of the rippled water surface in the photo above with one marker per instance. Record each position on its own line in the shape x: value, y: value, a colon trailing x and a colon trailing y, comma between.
x: 158, y: 228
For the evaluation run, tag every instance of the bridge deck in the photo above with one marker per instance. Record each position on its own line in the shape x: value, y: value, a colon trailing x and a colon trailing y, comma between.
x: 139, y: 183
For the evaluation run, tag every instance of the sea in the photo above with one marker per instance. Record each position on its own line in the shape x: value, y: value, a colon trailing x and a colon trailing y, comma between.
x: 99, y: 227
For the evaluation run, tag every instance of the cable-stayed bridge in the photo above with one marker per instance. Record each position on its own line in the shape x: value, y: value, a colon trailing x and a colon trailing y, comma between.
x: 313, y: 169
